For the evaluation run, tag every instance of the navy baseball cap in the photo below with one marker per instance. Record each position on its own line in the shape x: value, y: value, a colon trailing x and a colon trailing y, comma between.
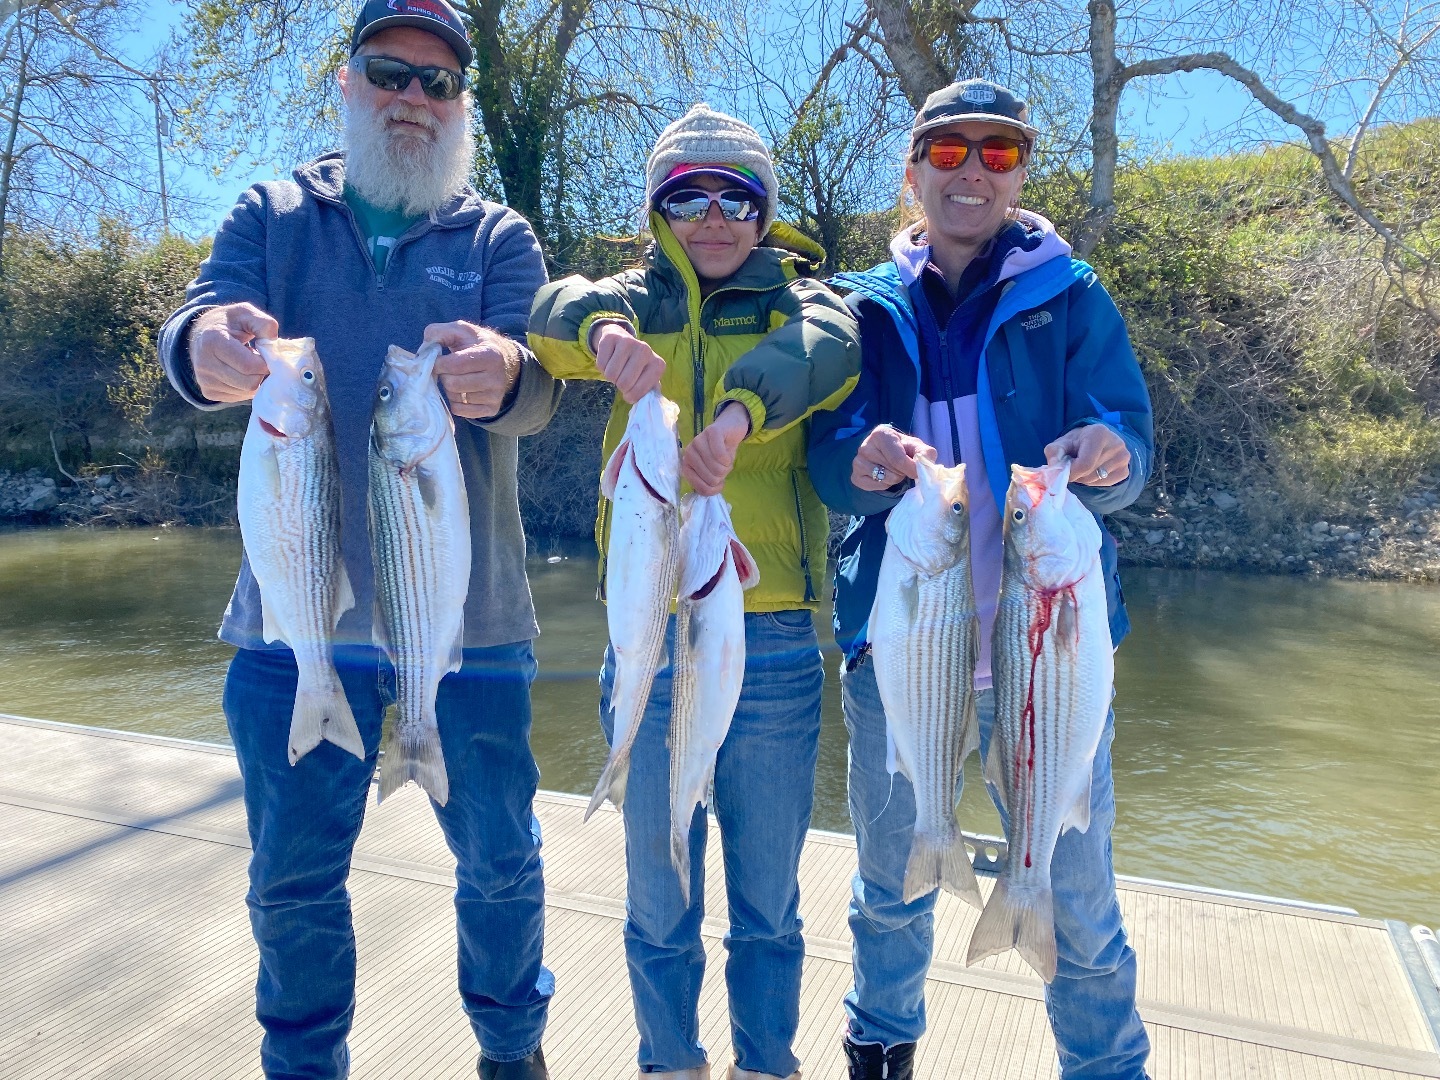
x: 972, y: 99
x: 436, y: 16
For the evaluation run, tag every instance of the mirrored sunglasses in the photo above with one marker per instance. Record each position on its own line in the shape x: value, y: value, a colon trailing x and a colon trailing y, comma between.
x: 997, y: 153
x: 692, y: 204
x: 387, y: 73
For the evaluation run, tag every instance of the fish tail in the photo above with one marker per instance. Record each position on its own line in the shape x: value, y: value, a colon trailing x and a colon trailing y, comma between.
x: 1023, y: 920
x: 323, y: 713
x: 612, y: 781
x: 936, y: 862
x: 414, y: 756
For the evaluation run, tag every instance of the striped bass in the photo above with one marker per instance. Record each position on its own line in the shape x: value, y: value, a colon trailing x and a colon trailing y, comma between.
x: 420, y: 537
x: 1054, y: 670
x: 709, y: 660
x: 642, y: 482
x: 924, y: 642
x: 288, y: 502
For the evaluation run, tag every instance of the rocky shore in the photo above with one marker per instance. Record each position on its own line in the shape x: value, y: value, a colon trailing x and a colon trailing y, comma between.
x: 1247, y: 528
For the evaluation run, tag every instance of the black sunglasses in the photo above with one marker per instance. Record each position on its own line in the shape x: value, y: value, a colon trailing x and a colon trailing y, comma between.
x: 440, y: 83
x: 692, y: 204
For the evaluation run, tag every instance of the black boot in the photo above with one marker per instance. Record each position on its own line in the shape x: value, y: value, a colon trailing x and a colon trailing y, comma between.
x: 871, y: 1061
x: 527, y: 1068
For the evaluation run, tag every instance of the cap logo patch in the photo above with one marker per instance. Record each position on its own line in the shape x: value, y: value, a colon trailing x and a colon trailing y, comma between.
x: 978, y: 95
x: 419, y: 7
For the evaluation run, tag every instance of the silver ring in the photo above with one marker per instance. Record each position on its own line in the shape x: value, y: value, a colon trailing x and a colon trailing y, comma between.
x: 878, y: 474
x: 1101, y: 472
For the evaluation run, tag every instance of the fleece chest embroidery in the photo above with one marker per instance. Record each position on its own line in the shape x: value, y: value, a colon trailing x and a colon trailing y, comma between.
x: 1039, y: 319
x: 452, y: 279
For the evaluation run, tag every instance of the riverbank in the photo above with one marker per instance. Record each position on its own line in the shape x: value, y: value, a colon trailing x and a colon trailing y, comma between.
x: 1240, y: 528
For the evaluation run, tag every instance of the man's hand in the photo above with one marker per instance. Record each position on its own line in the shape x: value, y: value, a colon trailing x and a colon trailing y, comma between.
x: 708, y: 459
x: 226, y: 368
x: 1100, y: 458
x: 478, y: 371
x: 886, y: 458
x: 626, y: 361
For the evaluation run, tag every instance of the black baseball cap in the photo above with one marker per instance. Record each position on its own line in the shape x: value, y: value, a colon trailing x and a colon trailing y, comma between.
x: 436, y: 16
x: 972, y: 99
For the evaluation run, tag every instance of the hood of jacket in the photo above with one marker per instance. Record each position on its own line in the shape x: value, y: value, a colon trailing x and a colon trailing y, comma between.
x: 1038, y: 244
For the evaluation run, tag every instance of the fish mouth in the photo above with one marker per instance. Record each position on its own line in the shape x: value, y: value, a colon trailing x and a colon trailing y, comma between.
x: 270, y: 429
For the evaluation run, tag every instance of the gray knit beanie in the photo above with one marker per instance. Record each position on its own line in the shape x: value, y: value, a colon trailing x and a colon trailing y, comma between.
x: 706, y: 137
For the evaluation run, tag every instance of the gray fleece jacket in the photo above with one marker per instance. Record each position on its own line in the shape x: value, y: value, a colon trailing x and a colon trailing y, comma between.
x: 295, y: 251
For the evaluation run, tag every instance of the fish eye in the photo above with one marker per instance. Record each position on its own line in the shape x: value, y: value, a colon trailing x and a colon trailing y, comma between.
x: 1018, y: 515
x: 384, y: 393
x: 308, y: 375
x: 957, y: 507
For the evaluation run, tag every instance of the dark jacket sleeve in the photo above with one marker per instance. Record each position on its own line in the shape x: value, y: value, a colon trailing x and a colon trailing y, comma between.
x: 514, y: 273
x: 808, y: 362
x: 836, y: 435
x: 1104, y: 385
x: 234, y: 273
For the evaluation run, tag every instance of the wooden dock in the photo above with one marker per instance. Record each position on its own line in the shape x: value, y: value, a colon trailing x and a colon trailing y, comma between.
x: 125, y: 949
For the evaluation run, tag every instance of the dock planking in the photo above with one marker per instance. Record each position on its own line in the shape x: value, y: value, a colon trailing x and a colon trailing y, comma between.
x: 127, y: 952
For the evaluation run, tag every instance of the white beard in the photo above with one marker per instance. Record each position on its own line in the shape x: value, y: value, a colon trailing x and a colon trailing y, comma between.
x: 413, y: 174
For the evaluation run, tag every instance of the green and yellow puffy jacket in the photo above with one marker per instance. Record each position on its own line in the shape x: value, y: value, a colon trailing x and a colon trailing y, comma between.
x: 781, y: 344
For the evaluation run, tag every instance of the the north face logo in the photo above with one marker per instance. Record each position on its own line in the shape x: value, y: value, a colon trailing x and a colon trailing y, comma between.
x: 978, y: 95
x: 1039, y: 319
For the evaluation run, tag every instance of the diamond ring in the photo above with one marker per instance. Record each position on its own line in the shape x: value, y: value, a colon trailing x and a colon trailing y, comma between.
x: 878, y: 474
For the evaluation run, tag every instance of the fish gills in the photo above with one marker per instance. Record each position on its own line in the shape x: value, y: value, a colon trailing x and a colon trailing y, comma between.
x: 924, y: 642
x: 1054, y: 670
x: 642, y: 482
x: 288, y: 503
x: 420, y: 538
x: 709, y: 661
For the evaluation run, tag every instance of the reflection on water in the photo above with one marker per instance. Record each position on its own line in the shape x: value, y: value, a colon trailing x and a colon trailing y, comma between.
x: 1274, y: 735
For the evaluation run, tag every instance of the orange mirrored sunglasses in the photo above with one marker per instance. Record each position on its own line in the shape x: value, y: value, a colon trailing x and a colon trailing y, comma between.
x: 997, y: 153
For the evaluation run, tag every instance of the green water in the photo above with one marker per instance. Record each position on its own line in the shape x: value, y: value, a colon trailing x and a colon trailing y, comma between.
x: 1274, y: 735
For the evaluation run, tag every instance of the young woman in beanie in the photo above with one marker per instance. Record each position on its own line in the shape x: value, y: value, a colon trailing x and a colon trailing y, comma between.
x: 723, y: 318
x: 983, y: 341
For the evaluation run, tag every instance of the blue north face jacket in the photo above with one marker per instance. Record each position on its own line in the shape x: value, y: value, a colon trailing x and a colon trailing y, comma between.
x: 1055, y: 356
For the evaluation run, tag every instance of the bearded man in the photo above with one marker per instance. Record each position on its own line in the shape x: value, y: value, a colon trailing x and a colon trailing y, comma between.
x: 384, y: 244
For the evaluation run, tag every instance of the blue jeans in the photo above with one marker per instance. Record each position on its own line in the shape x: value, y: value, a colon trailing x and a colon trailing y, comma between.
x: 304, y: 820
x: 764, y: 792
x: 1091, y: 1003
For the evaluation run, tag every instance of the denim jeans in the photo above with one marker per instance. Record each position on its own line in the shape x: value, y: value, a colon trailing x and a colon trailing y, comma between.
x: 304, y: 820
x: 1091, y: 1003
x: 764, y: 792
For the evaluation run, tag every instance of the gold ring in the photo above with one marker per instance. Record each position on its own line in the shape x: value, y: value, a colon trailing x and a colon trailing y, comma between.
x: 463, y: 399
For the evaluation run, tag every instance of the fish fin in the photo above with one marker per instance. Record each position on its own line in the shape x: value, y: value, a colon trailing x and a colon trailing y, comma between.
x: 269, y: 628
x: 379, y: 635
x: 1067, y: 621
x: 1023, y: 921
x: 611, y: 784
x: 429, y: 489
x: 323, y: 714
x: 936, y: 862
x: 893, y: 762
x: 344, y: 593
x: 744, y: 565
x: 1079, y: 815
x: 457, y: 649
x: 611, y: 476
x: 969, y: 729
x: 994, y: 773
x: 417, y: 757
x: 680, y: 849
x: 910, y: 597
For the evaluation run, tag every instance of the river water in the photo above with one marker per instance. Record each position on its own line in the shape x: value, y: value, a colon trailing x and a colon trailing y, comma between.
x: 1274, y: 735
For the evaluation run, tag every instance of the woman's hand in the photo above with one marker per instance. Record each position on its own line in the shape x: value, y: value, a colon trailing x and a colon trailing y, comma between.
x: 626, y: 361
x: 707, y: 461
x: 1099, y: 457
x: 886, y: 458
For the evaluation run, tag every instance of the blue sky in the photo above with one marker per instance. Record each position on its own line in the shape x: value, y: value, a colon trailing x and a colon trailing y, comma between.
x: 1193, y: 113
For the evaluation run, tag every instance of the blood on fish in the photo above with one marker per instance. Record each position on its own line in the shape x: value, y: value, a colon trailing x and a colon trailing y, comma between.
x: 271, y: 429
x: 709, y: 587
x: 1040, y: 621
